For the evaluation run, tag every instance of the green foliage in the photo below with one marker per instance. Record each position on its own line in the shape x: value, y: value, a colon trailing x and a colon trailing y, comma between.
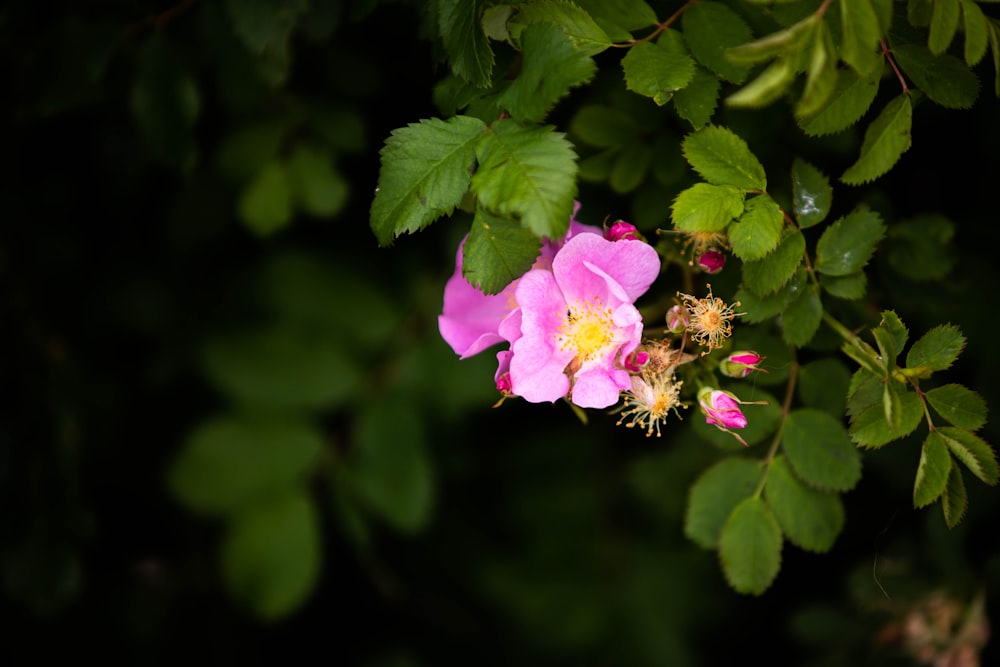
x: 750, y: 547
x: 658, y: 70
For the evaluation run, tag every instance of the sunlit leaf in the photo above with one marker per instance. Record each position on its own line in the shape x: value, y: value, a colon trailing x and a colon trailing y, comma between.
x: 886, y: 139
x: 586, y: 35
x: 849, y: 101
x: 768, y: 275
x: 944, y: 24
x: 847, y: 244
x: 757, y: 231
x: 937, y: 349
x: 706, y: 208
x: 973, y: 451
x: 497, y: 251
x: 812, y: 194
x: 860, y: 31
x: 722, y: 157
x: 658, y: 70
x: 468, y: 49
x: 697, y: 101
x: 944, y: 78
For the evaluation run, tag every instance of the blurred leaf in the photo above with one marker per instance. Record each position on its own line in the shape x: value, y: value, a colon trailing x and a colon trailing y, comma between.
x: 823, y: 385
x: 389, y: 467
x: 819, y: 450
x: 248, y: 148
x: 943, y: 78
x: 232, y: 461
x: 468, y: 49
x: 723, y: 158
x: 625, y: 14
x: 709, y: 29
x: 920, y: 248
x: 265, y: 204
x: 821, y: 74
x: 960, y: 406
x: 933, y: 470
x: 697, y: 101
x: 527, y: 173
x: 497, y: 252
x: 975, y: 26
x: 955, y: 500
x: 897, y: 331
x: 658, y: 70
x: 886, y: 139
x: 809, y: 518
x: 424, y: 175
x: 550, y: 67
x: 758, y: 229
x: 769, y: 86
x: 706, y: 208
x: 768, y: 275
x: 715, y: 494
x: 852, y: 96
x: 944, y: 24
x: 937, y: 349
x: 973, y: 451
x: 750, y: 547
x: 271, y: 554
x: 315, y: 186
x: 630, y: 168
x: 603, y: 126
x: 760, y: 308
x: 860, y: 30
x: 802, y: 317
x: 811, y: 192
x: 851, y: 286
x: 281, y: 367
x: 265, y: 26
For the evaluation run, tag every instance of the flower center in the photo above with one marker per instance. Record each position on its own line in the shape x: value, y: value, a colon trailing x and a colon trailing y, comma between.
x: 587, y: 329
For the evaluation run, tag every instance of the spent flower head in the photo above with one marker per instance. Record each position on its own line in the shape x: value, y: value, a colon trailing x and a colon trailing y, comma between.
x: 650, y: 400
x: 710, y: 319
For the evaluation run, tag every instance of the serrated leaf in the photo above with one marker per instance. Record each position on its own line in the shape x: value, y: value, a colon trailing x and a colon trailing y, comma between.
x: 550, y: 67
x: 706, y: 208
x: 715, y: 494
x: 865, y: 405
x: 847, y: 245
x: 461, y: 33
x: 658, y: 70
x: 892, y: 404
x: 756, y: 308
x: 886, y: 139
x: 750, y: 547
x: 527, y: 173
x: 823, y: 385
x: 819, y: 450
x: 937, y: 349
x: 954, y: 500
x: 973, y: 451
x: 768, y: 275
x: 710, y: 28
x: 975, y: 28
x: 697, y: 101
x: 894, y: 326
x: 821, y: 73
x: 921, y: 248
x: 860, y: 35
x: 425, y: 169
x: 802, y: 317
x: 943, y: 78
x: 497, y: 252
x: 603, y: 126
x: 944, y: 25
x: 722, y: 157
x: 233, y: 460
x: 932, y: 472
x: 766, y: 88
x: 809, y: 518
x: 851, y: 98
x: 812, y: 195
x: 579, y: 26
x: 852, y: 286
x: 959, y: 405
x: 627, y: 15
x: 787, y: 40
x: 271, y: 554
x: 265, y: 203
x: 757, y: 232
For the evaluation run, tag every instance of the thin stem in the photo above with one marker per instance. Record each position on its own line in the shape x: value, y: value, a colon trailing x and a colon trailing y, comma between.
x: 887, y: 52
x: 786, y: 407
x: 660, y: 27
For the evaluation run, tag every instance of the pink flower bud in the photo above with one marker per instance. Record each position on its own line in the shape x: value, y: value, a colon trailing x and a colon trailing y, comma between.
x: 721, y: 408
x: 741, y: 364
x: 621, y: 230
x: 635, y: 361
x: 677, y: 319
x: 712, y: 261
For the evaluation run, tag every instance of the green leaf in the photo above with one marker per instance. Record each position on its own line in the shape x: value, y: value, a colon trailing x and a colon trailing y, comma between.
x: 886, y: 139
x: 715, y: 494
x: 768, y: 275
x: 757, y: 232
x: 550, y: 66
x: 955, y: 500
x: 658, y: 70
x: 587, y: 36
x: 248, y: 149
x: 823, y: 385
x: 265, y: 204
x: 897, y: 331
x: 852, y: 286
x: 959, y: 405
x: 706, y: 208
x: 626, y: 15
x: 768, y: 87
x: 860, y: 35
x: 281, y: 367
x: 976, y: 32
x: 819, y: 450
x: 802, y: 317
x: 809, y: 518
x: 424, y: 174
x: 710, y: 28
x: 821, y: 73
x: 937, y: 349
x: 631, y: 166
x: 315, y: 186
x: 603, y: 126
x: 461, y: 33
x: 919, y: 12
x: 497, y: 252
x: 697, y: 101
x: 789, y: 40
x: 527, y: 173
x: 847, y: 245
x: 944, y: 24
x: 389, y: 467
x: 750, y: 547
x: 943, y: 78
x: 722, y: 157
x: 993, y: 37
x: 850, y: 99
x: 271, y: 555
x: 757, y: 309
x: 973, y: 451
x: 933, y: 471
x: 812, y: 195
x: 866, y: 408
x: 231, y: 461
x: 265, y: 27
x: 921, y: 248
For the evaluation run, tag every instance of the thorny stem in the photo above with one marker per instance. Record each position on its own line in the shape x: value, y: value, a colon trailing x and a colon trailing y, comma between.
x: 660, y: 27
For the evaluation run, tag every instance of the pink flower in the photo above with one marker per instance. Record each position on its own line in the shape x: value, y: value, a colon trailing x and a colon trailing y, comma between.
x: 578, y: 321
x: 741, y: 364
x: 472, y: 321
x: 721, y: 408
